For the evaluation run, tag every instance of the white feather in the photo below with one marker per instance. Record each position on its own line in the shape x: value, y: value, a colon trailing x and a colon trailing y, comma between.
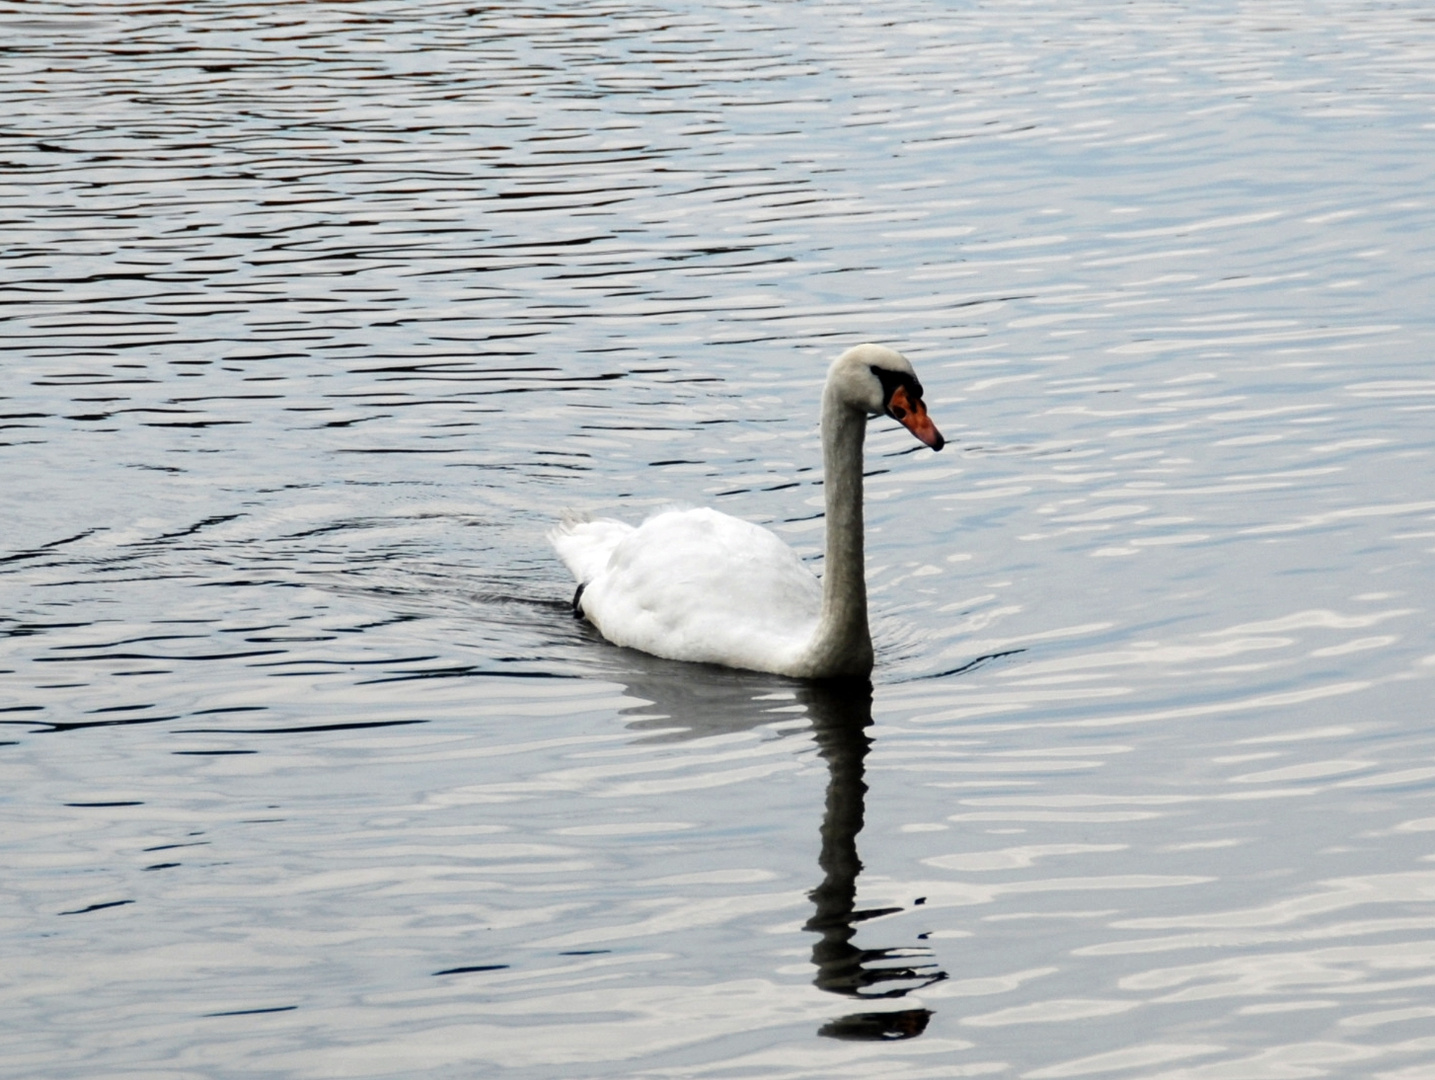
x: 699, y: 585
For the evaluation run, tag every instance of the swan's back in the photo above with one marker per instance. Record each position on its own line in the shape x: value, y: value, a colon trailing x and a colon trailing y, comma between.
x: 695, y: 585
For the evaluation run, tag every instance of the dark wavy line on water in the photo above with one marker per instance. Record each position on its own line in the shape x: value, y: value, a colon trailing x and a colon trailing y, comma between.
x: 151, y: 656
x: 130, y: 641
x: 466, y: 673
x: 299, y: 730
x: 970, y: 665
x: 96, y: 907
x: 50, y: 727
x: 350, y: 663
x: 32, y: 629
x: 43, y: 548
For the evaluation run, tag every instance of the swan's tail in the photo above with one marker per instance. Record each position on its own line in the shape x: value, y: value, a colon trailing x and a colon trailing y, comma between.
x: 585, y: 544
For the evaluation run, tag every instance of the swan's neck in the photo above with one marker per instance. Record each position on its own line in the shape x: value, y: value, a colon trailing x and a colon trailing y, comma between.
x: 842, y: 645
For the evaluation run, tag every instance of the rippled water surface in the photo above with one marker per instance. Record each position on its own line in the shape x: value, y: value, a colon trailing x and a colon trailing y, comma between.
x: 317, y: 314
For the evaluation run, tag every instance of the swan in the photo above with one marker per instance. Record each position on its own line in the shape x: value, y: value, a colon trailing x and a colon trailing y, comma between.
x: 703, y: 586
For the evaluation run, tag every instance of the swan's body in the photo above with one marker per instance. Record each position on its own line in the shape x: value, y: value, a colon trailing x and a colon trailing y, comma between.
x: 703, y: 586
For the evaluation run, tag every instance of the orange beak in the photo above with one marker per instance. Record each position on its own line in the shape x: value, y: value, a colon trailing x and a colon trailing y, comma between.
x: 912, y: 415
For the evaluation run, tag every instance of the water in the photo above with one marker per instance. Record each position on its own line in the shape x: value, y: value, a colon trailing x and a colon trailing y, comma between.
x: 317, y: 314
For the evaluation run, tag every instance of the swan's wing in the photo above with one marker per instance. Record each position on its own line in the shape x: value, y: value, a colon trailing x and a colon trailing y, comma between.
x: 703, y: 586
x: 585, y: 545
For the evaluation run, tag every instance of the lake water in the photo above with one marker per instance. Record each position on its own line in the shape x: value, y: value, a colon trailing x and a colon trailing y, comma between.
x: 318, y: 314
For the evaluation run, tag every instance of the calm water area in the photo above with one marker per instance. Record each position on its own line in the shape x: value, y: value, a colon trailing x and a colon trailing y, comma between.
x: 316, y: 315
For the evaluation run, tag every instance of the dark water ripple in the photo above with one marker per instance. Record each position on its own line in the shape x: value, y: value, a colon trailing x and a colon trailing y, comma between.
x: 317, y: 314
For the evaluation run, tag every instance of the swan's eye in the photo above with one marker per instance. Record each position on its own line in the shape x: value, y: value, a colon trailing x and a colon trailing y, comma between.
x: 898, y: 412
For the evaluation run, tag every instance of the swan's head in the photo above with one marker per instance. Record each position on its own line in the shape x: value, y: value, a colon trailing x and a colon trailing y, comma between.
x: 881, y: 382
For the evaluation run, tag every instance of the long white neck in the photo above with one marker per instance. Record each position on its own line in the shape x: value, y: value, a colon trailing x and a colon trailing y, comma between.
x: 842, y: 645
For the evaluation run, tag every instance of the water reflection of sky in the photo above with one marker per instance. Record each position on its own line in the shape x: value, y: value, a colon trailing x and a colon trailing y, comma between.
x: 317, y: 315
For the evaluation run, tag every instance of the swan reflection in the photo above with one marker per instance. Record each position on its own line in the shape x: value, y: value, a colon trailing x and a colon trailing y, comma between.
x: 691, y: 702
x: 841, y: 714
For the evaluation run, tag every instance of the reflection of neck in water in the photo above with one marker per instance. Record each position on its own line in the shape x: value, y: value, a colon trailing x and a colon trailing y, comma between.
x: 693, y: 701
x: 840, y: 714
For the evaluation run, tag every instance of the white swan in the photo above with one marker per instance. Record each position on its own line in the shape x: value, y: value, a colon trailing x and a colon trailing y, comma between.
x: 702, y: 586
